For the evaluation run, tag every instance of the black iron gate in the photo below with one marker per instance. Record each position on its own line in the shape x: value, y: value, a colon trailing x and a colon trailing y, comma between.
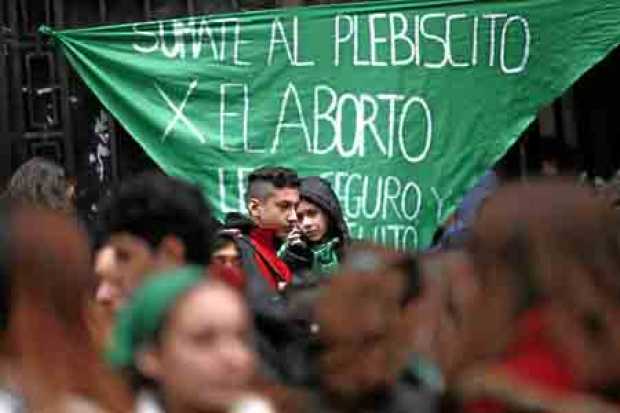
x: 45, y: 110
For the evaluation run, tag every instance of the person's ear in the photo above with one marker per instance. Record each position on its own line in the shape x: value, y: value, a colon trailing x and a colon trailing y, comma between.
x: 172, y: 249
x: 254, y: 208
x: 148, y: 363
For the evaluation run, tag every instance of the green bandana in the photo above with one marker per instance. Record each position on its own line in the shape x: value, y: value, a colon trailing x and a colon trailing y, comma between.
x: 138, y: 322
x: 325, y: 257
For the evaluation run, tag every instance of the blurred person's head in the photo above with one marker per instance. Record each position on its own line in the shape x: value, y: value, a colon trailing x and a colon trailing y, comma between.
x: 272, y: 196
x: 189, y: 338
x: 151, y: 223
x: 549, y: 244
x: 50, y: 347
x: 359, y: 313
x: 225, y: 251
x: 368, y: 258
x: 41, y: 182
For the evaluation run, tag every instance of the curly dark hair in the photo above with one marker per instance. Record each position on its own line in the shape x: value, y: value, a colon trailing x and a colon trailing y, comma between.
x: 40, y: 182
x: 152, y: 206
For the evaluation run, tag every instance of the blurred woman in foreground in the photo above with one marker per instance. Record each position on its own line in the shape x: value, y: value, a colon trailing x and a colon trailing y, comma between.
x: 49, y: 360
x: 539, y: 327
x: 185, y: 343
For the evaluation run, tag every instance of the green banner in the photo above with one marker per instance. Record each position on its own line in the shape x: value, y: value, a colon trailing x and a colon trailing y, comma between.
x: 402, y: 105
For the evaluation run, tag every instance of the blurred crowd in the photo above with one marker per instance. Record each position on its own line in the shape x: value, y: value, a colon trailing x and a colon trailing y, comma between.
x: 160, y: 307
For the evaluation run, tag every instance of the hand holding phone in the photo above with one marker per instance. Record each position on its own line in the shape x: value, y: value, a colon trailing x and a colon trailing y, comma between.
x: 296, y: 237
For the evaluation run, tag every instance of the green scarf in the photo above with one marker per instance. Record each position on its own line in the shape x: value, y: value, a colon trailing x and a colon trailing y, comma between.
x: 325, y: 260
x: 138, y: 323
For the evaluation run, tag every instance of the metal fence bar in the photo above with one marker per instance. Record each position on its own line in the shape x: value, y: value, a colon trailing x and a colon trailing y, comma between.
x: 23, y: 11
x: 48, y: 12
x: 16, y: 82
x: 5, y: 137
x: 63, y: 70
x: 103, y: 11
x: 148, y: 10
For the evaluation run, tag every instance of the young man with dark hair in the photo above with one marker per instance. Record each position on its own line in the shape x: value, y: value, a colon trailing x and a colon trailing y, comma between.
x: 272, y: 196
x: 151, y: 223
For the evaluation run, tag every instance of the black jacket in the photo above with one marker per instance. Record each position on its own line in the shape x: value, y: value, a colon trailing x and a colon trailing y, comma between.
x: 279, y: 336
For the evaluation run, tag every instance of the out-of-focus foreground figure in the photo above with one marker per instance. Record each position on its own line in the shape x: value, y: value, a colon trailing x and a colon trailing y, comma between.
x: 363, y: 354
x: 184, y: 341
x: 49, y: 359
x: 537, y: 323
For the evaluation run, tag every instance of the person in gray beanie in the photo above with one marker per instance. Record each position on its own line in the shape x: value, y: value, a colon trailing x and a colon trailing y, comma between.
x: 317, y: 244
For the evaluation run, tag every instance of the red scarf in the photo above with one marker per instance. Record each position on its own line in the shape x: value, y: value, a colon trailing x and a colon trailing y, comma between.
x: 263, y: 241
